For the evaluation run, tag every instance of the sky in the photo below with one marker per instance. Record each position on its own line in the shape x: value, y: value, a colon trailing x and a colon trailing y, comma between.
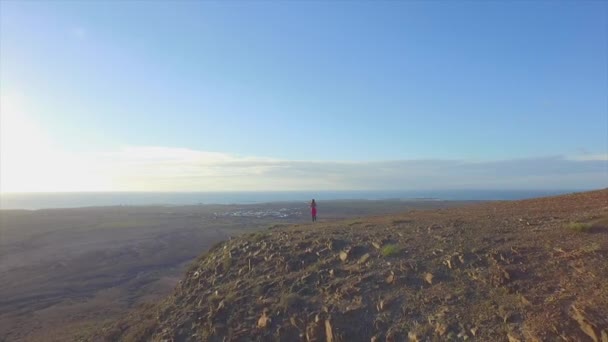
x: 310, y: 95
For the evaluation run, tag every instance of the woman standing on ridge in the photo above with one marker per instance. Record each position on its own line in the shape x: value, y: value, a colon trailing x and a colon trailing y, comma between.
x: 313, y: 210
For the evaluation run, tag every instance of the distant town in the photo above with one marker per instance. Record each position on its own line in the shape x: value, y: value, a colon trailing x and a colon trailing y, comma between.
x: 261, y: 213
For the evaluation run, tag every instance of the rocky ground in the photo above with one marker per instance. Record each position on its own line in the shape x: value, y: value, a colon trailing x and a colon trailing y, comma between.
x: 66, y: 272
x: 533, y: 270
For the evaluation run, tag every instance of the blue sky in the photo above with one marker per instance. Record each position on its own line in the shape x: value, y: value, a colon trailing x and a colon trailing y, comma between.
x: 300, y: 86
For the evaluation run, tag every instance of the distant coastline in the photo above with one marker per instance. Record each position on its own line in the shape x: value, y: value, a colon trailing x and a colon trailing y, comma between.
x: 89, y: 199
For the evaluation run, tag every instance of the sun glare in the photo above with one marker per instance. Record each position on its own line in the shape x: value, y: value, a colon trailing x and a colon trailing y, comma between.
x: 29, y: 160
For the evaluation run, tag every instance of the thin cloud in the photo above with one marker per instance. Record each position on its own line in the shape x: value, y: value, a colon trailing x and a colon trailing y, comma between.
x: 589, y: 156
x: 168, y: 169
x: 152, y: 168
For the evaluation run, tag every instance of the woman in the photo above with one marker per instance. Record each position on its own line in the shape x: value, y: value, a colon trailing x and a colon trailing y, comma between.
x: 313, y: 210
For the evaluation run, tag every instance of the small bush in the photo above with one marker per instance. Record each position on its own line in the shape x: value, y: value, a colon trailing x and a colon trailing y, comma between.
x: 593, y: 247
x: 226, y: 263
x: 390, y: 250
x: 579, y: 227
x: 401, y: 221
x: 230, y: 297
x: 258, y: 236
x: 291, y: 300
x: 142, y: 331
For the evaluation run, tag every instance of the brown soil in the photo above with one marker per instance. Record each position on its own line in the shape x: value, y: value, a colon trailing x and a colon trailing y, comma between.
x: 500, y: 271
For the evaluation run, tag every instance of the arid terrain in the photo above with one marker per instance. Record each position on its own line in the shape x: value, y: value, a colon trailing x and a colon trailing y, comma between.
x: 65, y: 272
x: 532, y: 270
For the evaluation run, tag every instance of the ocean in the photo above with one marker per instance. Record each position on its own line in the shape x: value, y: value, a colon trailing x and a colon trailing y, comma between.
x: 89, y: 199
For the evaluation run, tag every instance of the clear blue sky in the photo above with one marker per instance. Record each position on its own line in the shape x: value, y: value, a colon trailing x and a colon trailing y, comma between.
x: 314, y: 81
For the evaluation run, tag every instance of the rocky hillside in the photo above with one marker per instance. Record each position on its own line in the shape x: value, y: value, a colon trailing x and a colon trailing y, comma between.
x: 533, y: 270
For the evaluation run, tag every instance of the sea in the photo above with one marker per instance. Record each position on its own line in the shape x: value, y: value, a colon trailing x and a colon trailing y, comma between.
x: 33, y: 201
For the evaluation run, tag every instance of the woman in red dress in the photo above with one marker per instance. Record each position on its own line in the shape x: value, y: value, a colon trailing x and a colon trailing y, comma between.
x: 313, y: 210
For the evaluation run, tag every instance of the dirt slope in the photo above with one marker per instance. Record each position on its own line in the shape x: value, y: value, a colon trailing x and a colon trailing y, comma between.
x: 502, y: 271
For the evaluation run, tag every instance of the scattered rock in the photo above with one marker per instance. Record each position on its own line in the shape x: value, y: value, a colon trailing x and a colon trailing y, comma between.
x: 382, y: 304
x: 343, y: 256
x: 463, y: 335
x: 264, y: 320
x: 433, y: 227
x: 329, y: 335
x: 313, y: 332
x: 586, y: 326
x: 440, y: 329
x: 448, y: 262
x: 331, y: 245
x: 297, y: 323
x: 385, y: 296
x: 499, y: 276
x: 507, y: 317
x: 364, y: 258
x: 525, y: 301
x: 317, y: 318
x: 220, y: 306
x: 512, y: 338
x: 428, y: 278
